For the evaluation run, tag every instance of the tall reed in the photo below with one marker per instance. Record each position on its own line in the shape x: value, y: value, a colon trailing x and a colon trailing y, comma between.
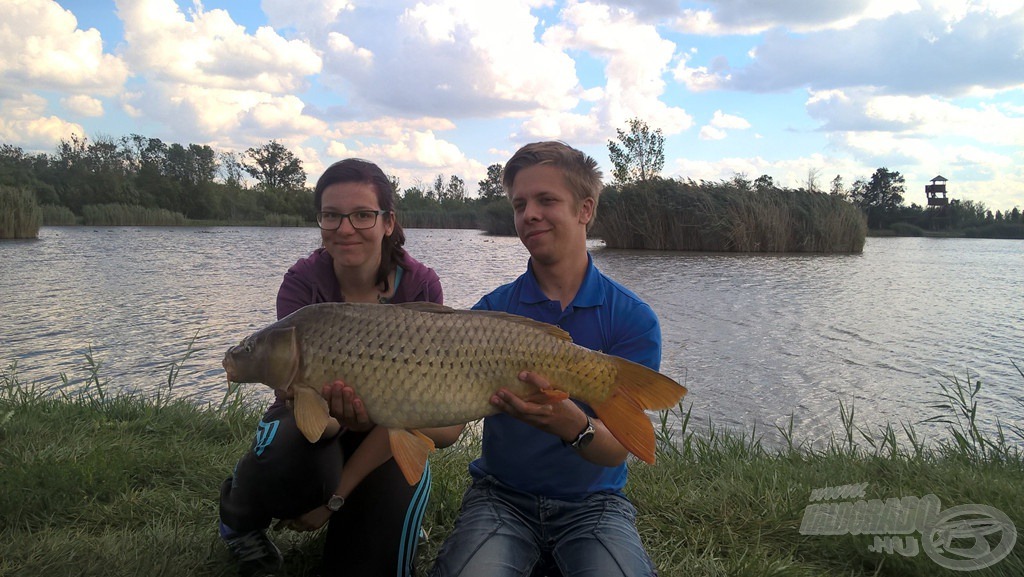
x: 57, y: 215
x: 722, y: 217
x: 276, y: 219
x: 438, y: 219
x: 20, y: 216
x: 129, y: 215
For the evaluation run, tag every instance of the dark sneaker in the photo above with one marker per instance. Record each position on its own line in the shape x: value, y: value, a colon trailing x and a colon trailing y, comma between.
x: 256, y: 554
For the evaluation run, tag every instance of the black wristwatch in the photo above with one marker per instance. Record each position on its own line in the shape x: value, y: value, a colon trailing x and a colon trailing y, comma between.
x: 335, y: 503
x: 585, y: 436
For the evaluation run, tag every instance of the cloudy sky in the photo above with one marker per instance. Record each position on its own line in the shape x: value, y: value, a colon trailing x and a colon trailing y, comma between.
x: 787, y: 88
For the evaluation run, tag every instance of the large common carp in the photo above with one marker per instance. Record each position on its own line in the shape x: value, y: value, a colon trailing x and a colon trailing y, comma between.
x: 417, y: 365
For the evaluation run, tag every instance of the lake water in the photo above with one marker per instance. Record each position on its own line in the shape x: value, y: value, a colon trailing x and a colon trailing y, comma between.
x: 756, y: 338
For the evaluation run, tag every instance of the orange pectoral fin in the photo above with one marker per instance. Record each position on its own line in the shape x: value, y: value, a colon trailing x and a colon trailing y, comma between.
x: 410, y: 449
x: 311, y: 413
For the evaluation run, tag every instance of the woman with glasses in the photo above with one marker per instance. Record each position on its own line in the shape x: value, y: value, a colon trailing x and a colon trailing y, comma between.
x: 372, y: 514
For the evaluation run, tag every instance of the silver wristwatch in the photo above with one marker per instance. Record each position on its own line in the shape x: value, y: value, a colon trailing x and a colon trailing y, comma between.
x: 585, y: 436
x: 335, y: 503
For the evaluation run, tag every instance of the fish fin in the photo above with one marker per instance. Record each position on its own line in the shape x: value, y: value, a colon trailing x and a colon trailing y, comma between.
x: 410, y: 449
x: 311, y: 413
x: 429, y: 307
x: 629, y: 424
x: 536, y: 325
x: 426, y: 307
x: 648, y: 388
x: 638, y: 389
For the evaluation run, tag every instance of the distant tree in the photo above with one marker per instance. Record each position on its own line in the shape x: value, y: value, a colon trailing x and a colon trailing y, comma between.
x: 812, y: 180
x: 274, y: 167
x: 740, y: 181
x: 1015, y: 215
x: 764, y: 183
x: 837, y: 187
x: 879, y: 197
x: 231, y: 169
x: 490, y: 188
x: 639, y: 155
x: 437, y: 191
x: 455, y: 191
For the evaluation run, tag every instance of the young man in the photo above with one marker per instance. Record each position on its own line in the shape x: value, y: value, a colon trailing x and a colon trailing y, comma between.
x: 547, y: 488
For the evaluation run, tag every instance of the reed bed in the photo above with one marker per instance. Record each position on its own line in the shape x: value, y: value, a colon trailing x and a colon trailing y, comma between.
x: 287, y: 220
x: 129, y: 215
x: 56, y: 215
x: 98, y: 483
x: 20, y: 216
x: 683, y: 215
x: 437, y: 219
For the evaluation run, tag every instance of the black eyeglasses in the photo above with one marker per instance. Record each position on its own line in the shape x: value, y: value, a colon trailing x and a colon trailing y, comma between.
x: 360, y: 219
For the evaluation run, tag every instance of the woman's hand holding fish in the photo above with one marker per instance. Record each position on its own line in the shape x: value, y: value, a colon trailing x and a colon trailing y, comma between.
x: 346, y: 406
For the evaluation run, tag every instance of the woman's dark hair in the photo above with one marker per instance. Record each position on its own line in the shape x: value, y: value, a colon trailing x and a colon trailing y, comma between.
x: 358, y: 170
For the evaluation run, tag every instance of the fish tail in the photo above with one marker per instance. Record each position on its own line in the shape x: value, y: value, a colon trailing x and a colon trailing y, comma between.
x: 637, y: 389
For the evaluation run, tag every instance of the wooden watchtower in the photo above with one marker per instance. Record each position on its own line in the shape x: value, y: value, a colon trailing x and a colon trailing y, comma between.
x: 935, y: 189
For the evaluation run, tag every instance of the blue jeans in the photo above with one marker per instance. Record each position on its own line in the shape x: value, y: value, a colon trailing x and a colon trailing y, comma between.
x: 503, y: 533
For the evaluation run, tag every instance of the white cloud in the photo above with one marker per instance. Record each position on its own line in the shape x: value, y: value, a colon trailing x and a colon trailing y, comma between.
x: 83, y: 105
x: 636, y: 59
x: 41, y: 47
x: 446, y: 58
x: 419, y: 156
x: 229, y: 118
x: 698, y: 78
x: 931, y: 50
x: 211, y: 50
x: 312, y: 17
x: 743, y: 17
x: 205, y: 74
x: 720, y: 123
x: 23, y: 121
x: 917, y: 116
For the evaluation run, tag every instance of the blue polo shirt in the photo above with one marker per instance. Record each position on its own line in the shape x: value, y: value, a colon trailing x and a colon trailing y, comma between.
x: 604, y: 316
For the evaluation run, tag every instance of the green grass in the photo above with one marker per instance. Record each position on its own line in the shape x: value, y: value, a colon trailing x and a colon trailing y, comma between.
x: 96, y: 483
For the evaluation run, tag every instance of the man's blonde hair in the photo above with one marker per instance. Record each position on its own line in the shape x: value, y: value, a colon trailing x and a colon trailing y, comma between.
x: 582, y: 176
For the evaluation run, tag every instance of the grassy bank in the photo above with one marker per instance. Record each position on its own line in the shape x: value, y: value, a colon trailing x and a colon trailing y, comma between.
x: 101, y: 484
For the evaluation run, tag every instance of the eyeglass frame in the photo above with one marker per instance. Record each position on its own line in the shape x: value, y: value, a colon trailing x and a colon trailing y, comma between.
x: 342, y: 216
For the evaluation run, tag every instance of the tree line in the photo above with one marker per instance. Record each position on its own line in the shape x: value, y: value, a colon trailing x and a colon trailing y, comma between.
x: 202, y: 184
x: 110, y: 181
x: 638, y: 158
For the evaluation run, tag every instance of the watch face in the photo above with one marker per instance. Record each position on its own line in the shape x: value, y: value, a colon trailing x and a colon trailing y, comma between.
x: 585, y: 439
x: 335, y: 503
x: 586, y: 435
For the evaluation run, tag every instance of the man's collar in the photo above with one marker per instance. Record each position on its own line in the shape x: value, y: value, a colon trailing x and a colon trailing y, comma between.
x: 590, y: 294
